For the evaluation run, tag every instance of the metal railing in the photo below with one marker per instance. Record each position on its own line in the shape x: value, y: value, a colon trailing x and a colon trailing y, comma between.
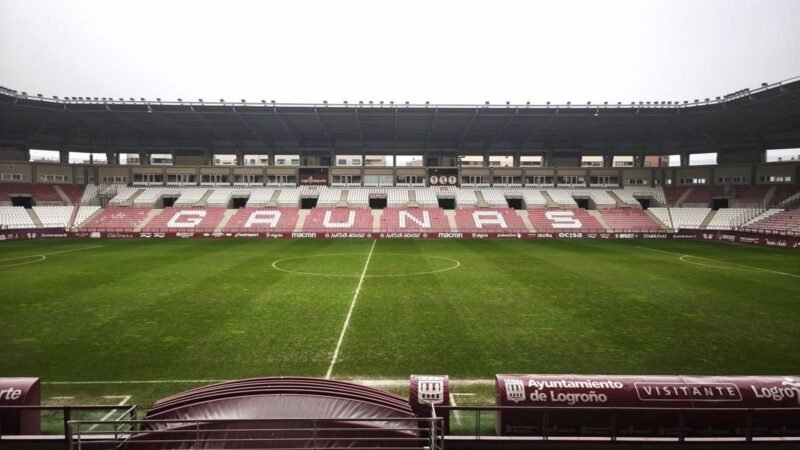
x: 67, y: 413
x: 352, y: 433
x: 747, y: 432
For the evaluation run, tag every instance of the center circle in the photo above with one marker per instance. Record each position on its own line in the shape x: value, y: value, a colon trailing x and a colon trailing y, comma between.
x: 349, y: 265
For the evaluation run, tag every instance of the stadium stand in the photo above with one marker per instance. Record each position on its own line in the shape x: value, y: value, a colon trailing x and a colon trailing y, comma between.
x: 353, y: 220
x: 730, y: 218
x: 397, y: 196
x: 54, y: 216
x: 289, y: 197
x: 12, y: 217
x: 750, y: 195
x: 702, y: 195
x: 124, y: 195
x: 494, y: 197
x: 672, y: 194
x: 260, y: 196
x: 465, y: 198
x: 476, y: 220
x: 627, y: 219
x: 279, y: 220
x: 689, y: 218
x: 329, y: 196
x: 561, y: 197
x: 189, y: 196
x: 662, y: 214
x: 84, y: 212
x: 533, y: 198
x: 120, y: 219
x: 360, y: 196
x: 408, y: 220
x: 185, y: 219
x: 89, y: 194
x: 427, y: 196
x: 563, y: 219
x: 781, y: 222
x: 784, y: 193
x: 39, y: 192
x: 629, y: 194
x: 73, y: 191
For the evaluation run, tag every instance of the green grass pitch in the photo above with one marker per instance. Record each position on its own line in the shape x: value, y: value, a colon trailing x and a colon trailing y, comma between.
x: 183, y: 310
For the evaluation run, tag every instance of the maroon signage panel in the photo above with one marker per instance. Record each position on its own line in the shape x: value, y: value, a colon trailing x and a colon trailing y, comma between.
x: 719, y: 405
x: 31, y: 233
x: 442, y: 177
x: 20, y: 392
x: 427, y: 390
x: 313, y: 177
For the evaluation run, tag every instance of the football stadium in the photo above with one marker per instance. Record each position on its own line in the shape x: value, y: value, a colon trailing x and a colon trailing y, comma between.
x: 217, y: 274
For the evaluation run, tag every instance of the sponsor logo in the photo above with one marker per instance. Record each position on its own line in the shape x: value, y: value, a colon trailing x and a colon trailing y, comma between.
x: 95, y: 235
x: 401, y: 235
x: 245, y: 235
x: 451, y: 235
x: 304, y: 235
x: 508, y: 235
x: 54, y: 235
x: 677, y: 392
x: 119, y: 235
x: 626, y: 236
x: 570, y: 235
x: 727, y: 237
x: 430, y: 390
x: 515, y: 390
x: 544, y: 235
x: 750, y: 240
x: 11, y: 393
x: 348, y: 235
x: 605, y: 236
x: 184, y: 235
x: 684, y: 236
x: 788, y: 389
x: 479, y: 235
x: 778, y: 243
x: 655, y: 235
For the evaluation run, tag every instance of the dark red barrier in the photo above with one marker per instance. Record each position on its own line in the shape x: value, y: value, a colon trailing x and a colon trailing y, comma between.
x: 649, y: 405
x: 20, y: 392
x: 427, y: 390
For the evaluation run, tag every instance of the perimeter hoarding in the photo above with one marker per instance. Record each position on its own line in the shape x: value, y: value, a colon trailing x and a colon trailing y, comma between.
x: 582, y: 405
x: 430, y: 390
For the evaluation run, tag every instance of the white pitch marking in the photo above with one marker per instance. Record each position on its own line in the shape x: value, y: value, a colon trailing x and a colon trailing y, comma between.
x: 124, y: 398
x: 456, y: 265
x: 745, y: 268
x: 42, y: 256
x: 350, y: 312
x: 62, y: 397
x: 457, y: 413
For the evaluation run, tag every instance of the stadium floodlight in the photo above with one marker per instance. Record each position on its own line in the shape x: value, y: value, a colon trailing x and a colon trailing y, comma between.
x: 263, y: 101
x: 406, y: 102
x: 427, y: 103
x: 244, y: 101
x: 588, y: 103
x: 696, y: 101
x: 142, y: 99
x: 508, y: 102
x: 707, y: 99
x: 324, y: 102
x: 569, y: 103
x: 272, y: 101
x: 222, y: 100
x: 180, y: 100
x: 345, y: 102
x: 158, y: 99
x: 487, y: 102
x: 548, y: 103
x: 361, y: 102
x: 764, y: 85
x: 391, y: 102
x: 200, y: 100
x: 55, y: 97
x: 39, y: 95
x: 619, y: 103
x: 605, y: 103
x: 527, y: 103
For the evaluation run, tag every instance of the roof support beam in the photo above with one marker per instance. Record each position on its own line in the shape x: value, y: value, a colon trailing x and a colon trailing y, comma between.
x: 489, y: 143
x: 324, y: 128
x: 358, y: 124
x: 433, y: 125
x: 267, y: 142
x: 211, y: 127
x: 286, y: 127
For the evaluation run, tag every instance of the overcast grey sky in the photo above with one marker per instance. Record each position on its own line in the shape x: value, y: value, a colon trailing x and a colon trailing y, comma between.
x: 441, y: 51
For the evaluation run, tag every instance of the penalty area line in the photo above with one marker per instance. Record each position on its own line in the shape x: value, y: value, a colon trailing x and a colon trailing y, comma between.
x: 350, y: 312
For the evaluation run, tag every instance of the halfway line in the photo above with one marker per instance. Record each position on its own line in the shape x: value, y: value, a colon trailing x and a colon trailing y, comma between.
x: 350, y: 312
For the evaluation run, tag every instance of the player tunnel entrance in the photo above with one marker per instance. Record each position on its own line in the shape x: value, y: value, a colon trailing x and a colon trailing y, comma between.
x: 24, y: 201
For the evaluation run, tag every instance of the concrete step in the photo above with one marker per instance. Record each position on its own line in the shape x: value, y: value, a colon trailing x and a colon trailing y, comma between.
x: 273, y: 201
x: 768, y: 196
x: 618, y: 200
x: 226, y: 217
x: 377, y: 214
x: 301, y: 219
x: 63, y: 195
x: 481, y: 201
x: 34, y: 218
x: 523, y: 214
x: 550, y: 202
x: 683, y: 197
x: 150, y: 215
x: 599, y: 217
x: 88, y: 219
x: 204, y: 199
x: 657, y: 220
x: 708, y: 219
x: 451, y: 219
x: 412, y: 198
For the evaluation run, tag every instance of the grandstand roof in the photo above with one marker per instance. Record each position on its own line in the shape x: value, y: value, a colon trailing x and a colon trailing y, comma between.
x: 768, y: 117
